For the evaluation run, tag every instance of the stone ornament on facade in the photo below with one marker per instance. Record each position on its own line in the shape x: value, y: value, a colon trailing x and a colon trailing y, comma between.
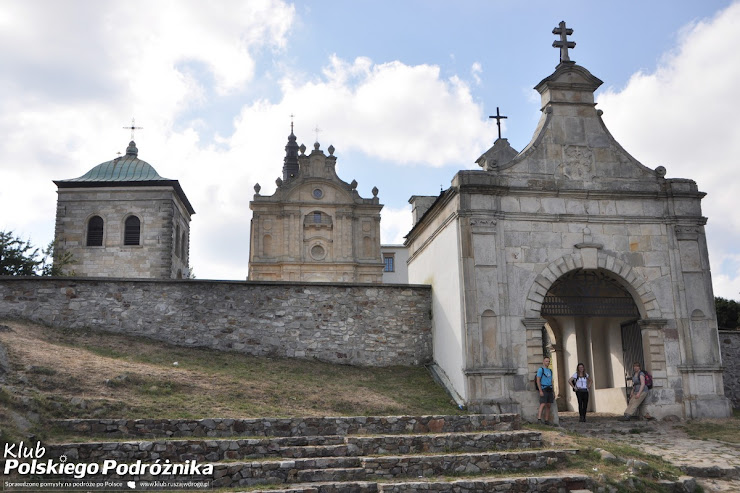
x: 578, y: 163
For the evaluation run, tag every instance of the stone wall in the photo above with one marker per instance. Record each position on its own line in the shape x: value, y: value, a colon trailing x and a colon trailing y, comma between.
x: 210, y: 450
x: 290, y: 427
x: 729, y: 343
x: 340, y: 323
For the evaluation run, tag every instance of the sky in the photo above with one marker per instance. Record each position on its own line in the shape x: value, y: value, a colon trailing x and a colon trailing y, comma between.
x: 402, y: 90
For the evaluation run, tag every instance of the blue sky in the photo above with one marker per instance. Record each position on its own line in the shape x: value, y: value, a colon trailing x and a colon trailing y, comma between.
x: 402, y: 90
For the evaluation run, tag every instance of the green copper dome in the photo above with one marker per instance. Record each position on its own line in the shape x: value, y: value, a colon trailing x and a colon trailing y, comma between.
x: 124, y: 168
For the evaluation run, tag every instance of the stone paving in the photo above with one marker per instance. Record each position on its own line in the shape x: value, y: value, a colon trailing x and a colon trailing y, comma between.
x: 716, y: 465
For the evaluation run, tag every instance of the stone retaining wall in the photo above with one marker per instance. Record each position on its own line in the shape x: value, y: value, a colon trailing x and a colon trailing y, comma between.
x: 361, y: 324
x: 729, y: 343
x: 510, y: 485
x: 352, y: 425
x: 294, y: 447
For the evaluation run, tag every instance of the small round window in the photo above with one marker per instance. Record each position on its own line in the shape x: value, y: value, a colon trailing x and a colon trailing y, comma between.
x: 318, y: 252
x: 317, y: 193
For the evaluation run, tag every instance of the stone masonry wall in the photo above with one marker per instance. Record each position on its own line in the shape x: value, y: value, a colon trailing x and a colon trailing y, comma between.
x: 341, y: 323
x: 729, y: 343
x: 290, y: 427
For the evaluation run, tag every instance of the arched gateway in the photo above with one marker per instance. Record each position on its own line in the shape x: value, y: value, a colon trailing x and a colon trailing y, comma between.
x: 573, y: 235
x: 601, y: 317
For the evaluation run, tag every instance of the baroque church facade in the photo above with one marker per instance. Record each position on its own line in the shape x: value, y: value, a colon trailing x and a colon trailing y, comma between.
x: 573, y: 249
x: 122, y: 219
x: 315, y: 227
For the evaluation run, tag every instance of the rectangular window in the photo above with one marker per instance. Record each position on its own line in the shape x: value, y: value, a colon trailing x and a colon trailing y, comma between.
x: 317, y: 218
x: 388, y: 260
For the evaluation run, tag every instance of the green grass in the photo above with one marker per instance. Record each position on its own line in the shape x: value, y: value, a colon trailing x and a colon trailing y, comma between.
x: 127, y: 377
x: 725, y: 430
x: 617, y: 475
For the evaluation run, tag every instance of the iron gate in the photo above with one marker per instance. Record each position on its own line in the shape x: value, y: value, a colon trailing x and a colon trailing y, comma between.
x: 631, y: 349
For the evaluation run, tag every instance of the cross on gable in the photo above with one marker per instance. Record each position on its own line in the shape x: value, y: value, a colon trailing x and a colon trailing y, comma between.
x: 498, y: 118
x: 563, y: 43
x: 132, y: 128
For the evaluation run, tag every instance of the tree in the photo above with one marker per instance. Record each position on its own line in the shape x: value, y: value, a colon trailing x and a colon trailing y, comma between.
x: 53, y: 264
x: 17, y: 257
x: 728, y: 313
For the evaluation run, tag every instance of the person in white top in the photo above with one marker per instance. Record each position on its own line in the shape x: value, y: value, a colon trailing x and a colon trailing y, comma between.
x: 581, y: 383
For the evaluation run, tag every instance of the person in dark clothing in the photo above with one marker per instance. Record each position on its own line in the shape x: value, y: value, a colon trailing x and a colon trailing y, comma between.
x: 581, y: 383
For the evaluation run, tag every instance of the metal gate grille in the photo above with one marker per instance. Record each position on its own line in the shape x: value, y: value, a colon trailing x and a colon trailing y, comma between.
x: 588, y: 294
x: 631, y: 349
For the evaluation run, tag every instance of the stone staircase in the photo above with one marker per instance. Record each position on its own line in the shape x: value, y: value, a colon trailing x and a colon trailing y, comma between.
x: 465, y: 453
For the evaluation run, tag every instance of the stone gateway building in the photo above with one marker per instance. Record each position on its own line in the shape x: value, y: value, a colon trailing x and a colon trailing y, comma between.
x: 574, y: 249
x: 121, y: 219
x: 315, y: 227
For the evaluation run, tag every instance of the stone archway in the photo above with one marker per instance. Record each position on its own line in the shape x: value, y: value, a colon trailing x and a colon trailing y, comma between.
x: 635, y: 283
x: 596, y: 330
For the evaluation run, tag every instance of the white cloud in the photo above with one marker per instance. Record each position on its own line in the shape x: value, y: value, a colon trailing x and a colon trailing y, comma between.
x: 475, y: 72
x: 682, y: 117
x: 394, y: 225
x: 392, y: 111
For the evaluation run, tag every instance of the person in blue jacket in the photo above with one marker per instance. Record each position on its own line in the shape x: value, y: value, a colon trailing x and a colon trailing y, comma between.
x: 544, y: 385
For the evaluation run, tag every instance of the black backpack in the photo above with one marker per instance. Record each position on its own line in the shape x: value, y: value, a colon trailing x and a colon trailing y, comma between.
x: 536, y: 387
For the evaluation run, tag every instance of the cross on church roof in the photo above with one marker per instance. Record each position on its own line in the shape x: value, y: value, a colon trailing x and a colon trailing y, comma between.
x: 498, y: 118
x: 563, y: 44
x: 317, y: 130
x: 132, y: 128
x: 291, y: 122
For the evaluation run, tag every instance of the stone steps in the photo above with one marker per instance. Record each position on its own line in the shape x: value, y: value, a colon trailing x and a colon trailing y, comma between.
x: 298, y: 447
x: 289, y: 427
x: 333, y: 455
x: 338, y: 469
x: 473, y: 485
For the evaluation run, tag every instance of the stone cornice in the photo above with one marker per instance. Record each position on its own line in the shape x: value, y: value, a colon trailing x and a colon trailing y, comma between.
x: 586, y: 218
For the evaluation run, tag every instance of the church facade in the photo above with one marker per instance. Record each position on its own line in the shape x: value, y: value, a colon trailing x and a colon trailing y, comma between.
x: 315, y: 227
x: 122, y: 219
x: 573, y: 249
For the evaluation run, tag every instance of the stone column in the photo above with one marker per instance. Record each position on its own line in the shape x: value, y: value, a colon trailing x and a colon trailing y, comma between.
x: 653, y: 349
x: 570, y: 351
x: 534, y: 345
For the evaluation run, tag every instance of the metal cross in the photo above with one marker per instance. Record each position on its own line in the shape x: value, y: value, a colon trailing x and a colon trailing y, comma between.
x: 563, y: 44
x: 291, y: 122
x: 498, y: 118
x: 317, y: 130
x: 132, y: 128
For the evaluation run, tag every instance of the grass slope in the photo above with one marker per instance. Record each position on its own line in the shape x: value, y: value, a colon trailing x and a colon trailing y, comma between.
x: 55, y: 373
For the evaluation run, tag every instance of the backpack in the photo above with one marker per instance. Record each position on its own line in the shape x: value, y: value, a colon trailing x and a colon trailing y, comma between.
x: 534, y: 380
x: 648, y: 379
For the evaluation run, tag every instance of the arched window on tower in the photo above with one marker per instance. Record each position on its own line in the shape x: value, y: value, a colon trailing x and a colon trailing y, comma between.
x: 132, y: 231
x: 95, y: 231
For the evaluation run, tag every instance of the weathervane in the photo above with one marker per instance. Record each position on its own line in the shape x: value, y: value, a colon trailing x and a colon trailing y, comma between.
x: 132, y: 128
x: 563, y: 44
x: 498, y: 118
